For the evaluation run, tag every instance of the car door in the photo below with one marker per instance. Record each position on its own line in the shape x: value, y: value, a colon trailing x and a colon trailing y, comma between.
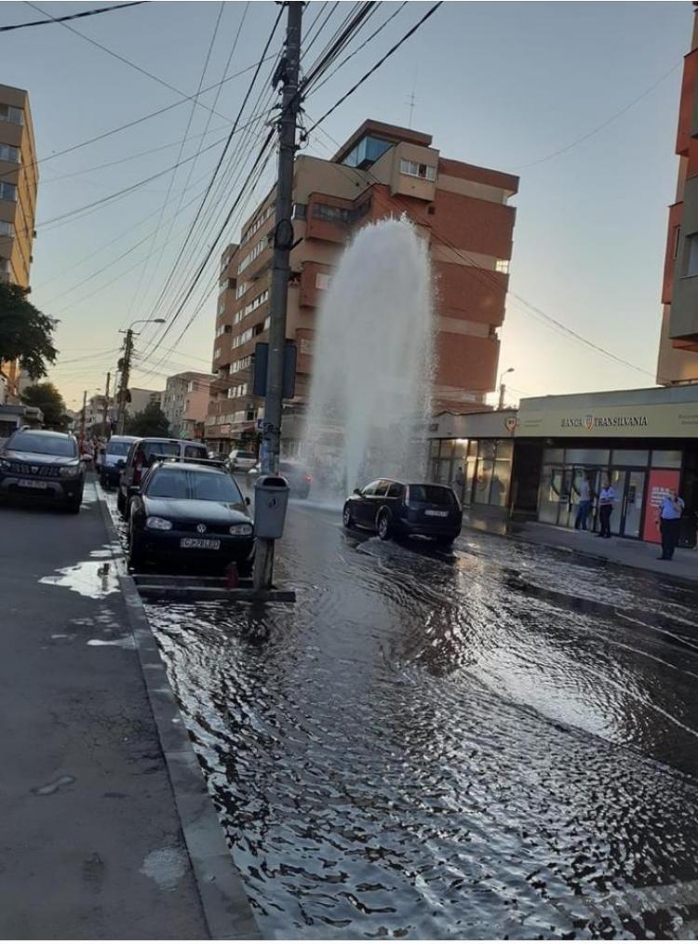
x: 394, y: 498
x: 364, y: 504
x: 376, y: 501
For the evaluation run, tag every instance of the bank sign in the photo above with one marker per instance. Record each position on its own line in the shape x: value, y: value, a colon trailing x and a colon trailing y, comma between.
x: 668, y: 421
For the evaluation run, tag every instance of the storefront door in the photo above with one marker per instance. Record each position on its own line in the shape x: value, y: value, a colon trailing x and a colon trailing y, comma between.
x: 629, y: 486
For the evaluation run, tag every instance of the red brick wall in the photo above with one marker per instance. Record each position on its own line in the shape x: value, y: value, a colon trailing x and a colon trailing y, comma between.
x: 688, y: 94
x: 669, y: 262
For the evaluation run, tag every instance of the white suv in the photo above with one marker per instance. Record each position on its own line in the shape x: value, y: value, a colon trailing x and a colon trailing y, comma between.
x: 241, y: 461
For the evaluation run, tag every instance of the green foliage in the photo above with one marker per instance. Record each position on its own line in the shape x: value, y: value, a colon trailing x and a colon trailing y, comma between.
x: 150, y: 422
x: 25, y: 332
x: 50, y: 402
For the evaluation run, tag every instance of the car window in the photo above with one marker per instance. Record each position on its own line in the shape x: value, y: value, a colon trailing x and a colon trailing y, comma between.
x: 432, y: 495
x: 395, y: 490
x: 371, y: 489
x: 153, y: 450
x: 195, y: 452
x: 167, y: 483
x: 43, y: 445
x: 381, y: 488
x: 117, y: 449
x: 207, y: 487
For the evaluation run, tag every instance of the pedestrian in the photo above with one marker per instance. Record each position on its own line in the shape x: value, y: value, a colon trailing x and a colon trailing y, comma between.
x: 606, y: 502
x: 669, y: 523
x: 460, y: 483
x: 584, y: 504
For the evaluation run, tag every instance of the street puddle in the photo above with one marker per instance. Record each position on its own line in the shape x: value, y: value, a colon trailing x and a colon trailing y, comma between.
x: 93, y: 579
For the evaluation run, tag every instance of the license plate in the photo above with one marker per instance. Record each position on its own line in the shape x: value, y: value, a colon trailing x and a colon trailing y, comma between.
x: 436, y: 514
x: 200, y: 544
x: 29, y: 483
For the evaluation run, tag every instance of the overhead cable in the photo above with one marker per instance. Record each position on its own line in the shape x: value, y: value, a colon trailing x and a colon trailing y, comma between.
x: 72, y: 16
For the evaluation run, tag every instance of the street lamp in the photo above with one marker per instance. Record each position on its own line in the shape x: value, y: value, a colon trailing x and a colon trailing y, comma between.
x: 502, y: 388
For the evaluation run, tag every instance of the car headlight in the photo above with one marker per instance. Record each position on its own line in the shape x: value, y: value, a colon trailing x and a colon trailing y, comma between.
x: 241, y: 530
x: 5, y: 465
x: 69, y: 471
x: 158, y: 524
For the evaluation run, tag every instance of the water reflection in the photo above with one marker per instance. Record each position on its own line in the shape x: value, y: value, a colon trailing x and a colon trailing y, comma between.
x: 433, y: 746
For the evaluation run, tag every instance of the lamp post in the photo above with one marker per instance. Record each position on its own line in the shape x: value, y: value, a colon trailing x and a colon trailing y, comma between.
x: 126, y: 369
x: 502, y: 388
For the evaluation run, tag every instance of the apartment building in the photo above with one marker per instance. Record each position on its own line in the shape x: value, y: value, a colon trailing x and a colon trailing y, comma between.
x: 382, y: 171
x: 19, y: 180
x: 185, y: 403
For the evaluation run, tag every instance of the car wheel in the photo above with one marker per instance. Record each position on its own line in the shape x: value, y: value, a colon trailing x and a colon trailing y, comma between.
x: 73, y: 506
x: 245, y: 568
x: 348, y: 516
x: 445, y: 540
x: 384, y: 526
x: 136, y: 558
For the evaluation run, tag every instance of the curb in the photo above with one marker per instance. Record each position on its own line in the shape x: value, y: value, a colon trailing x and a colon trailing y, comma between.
x: 224, y: 902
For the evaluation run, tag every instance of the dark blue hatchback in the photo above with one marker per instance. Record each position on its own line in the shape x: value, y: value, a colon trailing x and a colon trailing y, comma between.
x: 396, y: 509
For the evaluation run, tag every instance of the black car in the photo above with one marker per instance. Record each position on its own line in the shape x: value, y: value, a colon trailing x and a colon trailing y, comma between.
x: 38, y: 463
x: 396, y: 509
x: 142, y: 454
x: 190, y: 512
x: 298, y: 477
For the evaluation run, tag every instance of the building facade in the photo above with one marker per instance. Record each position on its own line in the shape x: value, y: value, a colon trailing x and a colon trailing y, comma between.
x: 381, y: 172
x: 185, y: 403
x: 19, y: 181
x: 530, y: 463
x: 140, y: 399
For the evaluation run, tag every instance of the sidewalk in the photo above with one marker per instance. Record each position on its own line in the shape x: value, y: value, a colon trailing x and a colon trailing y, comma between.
x: 622, y: 551
x: 98, y: 838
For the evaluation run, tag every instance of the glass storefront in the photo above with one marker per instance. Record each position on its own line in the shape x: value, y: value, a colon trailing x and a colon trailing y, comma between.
x: 486, y: 466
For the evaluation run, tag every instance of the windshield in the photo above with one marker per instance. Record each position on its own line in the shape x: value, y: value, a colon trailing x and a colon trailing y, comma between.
x: 43, y: 445
x: 207, y: 487
x: 168, y: 483
x: 432, y: 495
x: 118, y: 448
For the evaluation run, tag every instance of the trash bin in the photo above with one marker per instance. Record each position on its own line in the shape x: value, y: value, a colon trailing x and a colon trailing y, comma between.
x: 270, y: 503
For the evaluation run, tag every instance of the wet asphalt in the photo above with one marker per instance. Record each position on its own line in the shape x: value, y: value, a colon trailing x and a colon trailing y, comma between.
x: 496, y: 742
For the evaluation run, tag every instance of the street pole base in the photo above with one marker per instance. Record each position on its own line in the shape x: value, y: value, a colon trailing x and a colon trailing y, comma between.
x: 263, y: 566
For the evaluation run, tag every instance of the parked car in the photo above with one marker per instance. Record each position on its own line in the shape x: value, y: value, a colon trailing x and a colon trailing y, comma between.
x: 142, y: 454
x: 298, y: 478
x: 391, y: 508
x: 42, y: 464
x: 190, y: 512
x: 109, y: 457
x: 241, y: 461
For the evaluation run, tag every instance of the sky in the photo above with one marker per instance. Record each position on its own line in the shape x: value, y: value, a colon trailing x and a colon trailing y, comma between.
x: 579, y: 99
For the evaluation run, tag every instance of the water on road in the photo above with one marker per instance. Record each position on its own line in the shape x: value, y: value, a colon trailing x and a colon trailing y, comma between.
x: 500, y: 742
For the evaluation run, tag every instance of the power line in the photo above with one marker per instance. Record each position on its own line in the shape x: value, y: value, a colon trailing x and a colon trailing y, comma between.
x: 73, y: 16
x: 116, y: 55
x: 432, y: 10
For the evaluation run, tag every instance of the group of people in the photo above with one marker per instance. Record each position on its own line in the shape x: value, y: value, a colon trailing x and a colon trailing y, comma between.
x: 669, y: 514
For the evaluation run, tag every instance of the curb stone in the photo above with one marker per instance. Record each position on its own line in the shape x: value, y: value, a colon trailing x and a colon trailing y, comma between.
x: 226, y: 908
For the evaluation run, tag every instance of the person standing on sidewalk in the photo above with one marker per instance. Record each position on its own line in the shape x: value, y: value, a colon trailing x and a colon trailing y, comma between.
x: 669, y: 522
x: 584, y: 504
x: 606, y: 501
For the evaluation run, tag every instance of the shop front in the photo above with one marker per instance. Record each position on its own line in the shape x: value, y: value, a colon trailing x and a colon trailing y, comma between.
x: 643, y: 442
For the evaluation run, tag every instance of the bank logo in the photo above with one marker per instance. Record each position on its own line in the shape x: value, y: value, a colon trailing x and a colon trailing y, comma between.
x: 511, y: 423
x: 588, y: 423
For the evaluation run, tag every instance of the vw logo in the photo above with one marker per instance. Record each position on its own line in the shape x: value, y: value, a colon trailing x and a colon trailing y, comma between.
x: 201, y: 528
x: 35, y: 469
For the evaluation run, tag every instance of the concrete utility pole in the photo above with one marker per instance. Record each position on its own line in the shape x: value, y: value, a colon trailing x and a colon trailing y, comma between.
x: 83, y: 416
x: 125, y: 380
x: 106, y: 408
x: 502, y: 387
x: 288, y: 73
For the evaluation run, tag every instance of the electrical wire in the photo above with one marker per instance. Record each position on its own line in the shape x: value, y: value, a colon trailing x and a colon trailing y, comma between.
x: 72, y: 16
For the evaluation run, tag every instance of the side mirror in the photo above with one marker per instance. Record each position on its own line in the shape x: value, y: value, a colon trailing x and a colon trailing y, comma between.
x: 134, y: 490
x: 357, y: 491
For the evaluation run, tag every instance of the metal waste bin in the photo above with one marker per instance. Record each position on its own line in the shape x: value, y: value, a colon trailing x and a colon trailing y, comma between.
x: 270, y: 504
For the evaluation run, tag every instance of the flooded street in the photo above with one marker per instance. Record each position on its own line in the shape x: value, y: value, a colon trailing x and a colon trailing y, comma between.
x: 499, y: 742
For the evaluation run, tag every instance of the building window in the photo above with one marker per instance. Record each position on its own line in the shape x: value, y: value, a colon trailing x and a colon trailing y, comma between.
x: 6, y: 229
x: 414, y: 169
x: 366, y: 152
x: 14, y: 115
x: 257, y: 224
x: 300, y: 211
x: 691, y: 256
x: 322, y: 281
x: 335, y: 214
x: 251, y: 256
x: 9, y: 153
x: 502, y: 265
x: 241, y: 289
x: 7, y: 191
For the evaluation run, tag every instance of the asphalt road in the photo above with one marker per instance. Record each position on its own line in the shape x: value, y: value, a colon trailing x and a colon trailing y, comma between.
x: 91, y: 844
x: 497, y: 742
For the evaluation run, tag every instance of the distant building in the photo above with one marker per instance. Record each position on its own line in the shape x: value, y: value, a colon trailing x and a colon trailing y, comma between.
x: 19, y: 179
x: 382, y: 171
x: 140, y: 399
x: 185, y: 403
x: 678, y: 346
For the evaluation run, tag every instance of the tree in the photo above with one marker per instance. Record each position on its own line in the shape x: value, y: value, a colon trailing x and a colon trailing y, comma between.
x: 49, y: 401
x: 150, y: 422
x: 26, y: 334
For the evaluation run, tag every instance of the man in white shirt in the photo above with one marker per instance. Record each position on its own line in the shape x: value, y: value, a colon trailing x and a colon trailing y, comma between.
x: 607, y: 499
x: 669, y: 521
